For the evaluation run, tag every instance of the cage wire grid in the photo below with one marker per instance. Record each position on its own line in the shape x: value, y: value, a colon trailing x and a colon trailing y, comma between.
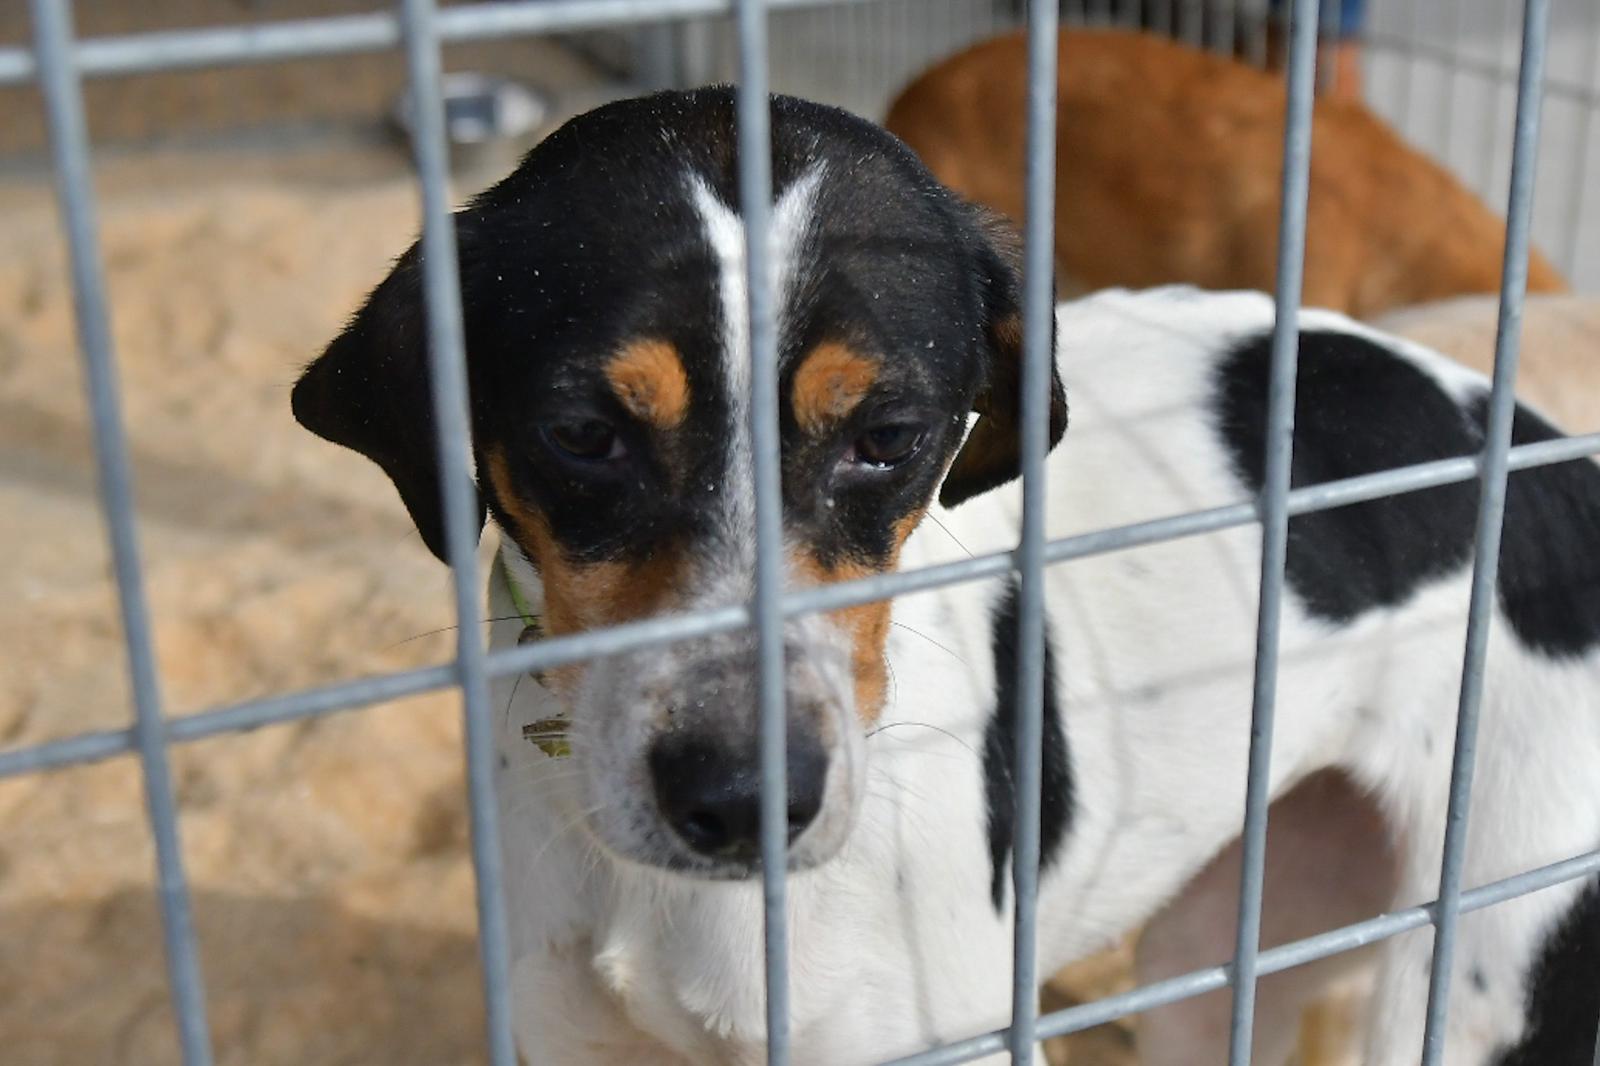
x: 59, y: 62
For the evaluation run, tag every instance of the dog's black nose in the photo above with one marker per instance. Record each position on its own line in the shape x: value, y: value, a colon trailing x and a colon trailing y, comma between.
x: 710, y: 793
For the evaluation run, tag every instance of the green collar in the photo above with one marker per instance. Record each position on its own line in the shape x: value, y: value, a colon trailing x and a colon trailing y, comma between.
x: 549, y: 735
x: 518, y: 600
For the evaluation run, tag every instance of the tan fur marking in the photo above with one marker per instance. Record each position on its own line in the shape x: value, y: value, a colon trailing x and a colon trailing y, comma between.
x: 830, y: 381
x: 648, y: 378
x: 867, y: 623
x: 868, y: 627
x: 583, y: 596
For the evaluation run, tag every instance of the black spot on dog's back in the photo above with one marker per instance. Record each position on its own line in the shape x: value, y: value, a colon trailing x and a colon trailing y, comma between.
x: 1358, y: 409
x: 1361, y: 409
x: 1549, y: 587
x: 1563, y: 1006
x: 1000, y: 754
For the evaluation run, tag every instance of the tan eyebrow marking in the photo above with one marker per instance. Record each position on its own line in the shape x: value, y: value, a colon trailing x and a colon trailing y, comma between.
x: 648, y: 377
x: 828, y: 384
x: 867, y: 624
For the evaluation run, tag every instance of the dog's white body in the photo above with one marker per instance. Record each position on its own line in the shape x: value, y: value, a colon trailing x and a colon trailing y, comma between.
x: 896, y: 943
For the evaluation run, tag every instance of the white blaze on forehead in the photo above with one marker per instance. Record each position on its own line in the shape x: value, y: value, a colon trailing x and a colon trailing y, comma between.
x: 788, y: 226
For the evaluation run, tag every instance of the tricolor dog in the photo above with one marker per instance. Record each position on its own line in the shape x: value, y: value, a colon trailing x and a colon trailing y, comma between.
x: 607, y: 344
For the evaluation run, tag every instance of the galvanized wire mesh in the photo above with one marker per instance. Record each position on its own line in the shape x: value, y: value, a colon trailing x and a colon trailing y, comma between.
x: 59, y: 62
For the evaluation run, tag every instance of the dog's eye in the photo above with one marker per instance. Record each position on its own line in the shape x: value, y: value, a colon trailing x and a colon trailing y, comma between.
x: 590, y: 440
x: 888, y: 445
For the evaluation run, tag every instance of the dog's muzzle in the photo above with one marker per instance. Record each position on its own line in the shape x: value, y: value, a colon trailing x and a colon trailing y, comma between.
x: 708, y: 790
x: 675, y: 766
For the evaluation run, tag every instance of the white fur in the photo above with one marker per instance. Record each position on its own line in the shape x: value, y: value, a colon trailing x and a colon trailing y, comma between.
x: 613, y: 709
x: 895, y: 942
x: 788, y: 227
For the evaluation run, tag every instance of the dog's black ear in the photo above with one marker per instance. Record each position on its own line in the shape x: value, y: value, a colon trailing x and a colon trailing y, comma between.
x: 992, y: 453
x: 369, y: 391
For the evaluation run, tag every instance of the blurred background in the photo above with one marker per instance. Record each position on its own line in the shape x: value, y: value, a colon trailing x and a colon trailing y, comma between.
x: 245, y: 211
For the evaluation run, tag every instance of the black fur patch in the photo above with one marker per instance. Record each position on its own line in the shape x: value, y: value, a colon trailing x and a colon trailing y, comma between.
x: 595, y: 241
x: 1550, y: 558
x: 1564, y: 992
x: 1000, y: 754
x: 1360, y: 409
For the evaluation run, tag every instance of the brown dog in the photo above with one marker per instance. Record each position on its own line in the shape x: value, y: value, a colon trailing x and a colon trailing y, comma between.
x: 1168, y: 168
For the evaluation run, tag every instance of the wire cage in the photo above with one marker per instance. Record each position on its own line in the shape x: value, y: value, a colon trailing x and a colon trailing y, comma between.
x: 1443, y: 74
x: 1430, y: 65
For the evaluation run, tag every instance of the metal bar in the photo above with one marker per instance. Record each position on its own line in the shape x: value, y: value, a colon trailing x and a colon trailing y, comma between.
x: 557, y: 651
x: 233, y: 718
x: 696, y: 47
x: 755, y: 203
x: 448, y: 375
x: 1303, y: 41
x: 1330, y: 19
x: 655, y: 57
x: 63, y: 99
x: 1410, y: 44
x: 137, y: 53
x: 847, y: 22
x: 350, y: 34
x: 1580, y: 157
x: 310, y: 703
x: 168, y: 50
x: 1274, y: 960
x: 423, y: 29
x: 1491, y: 515
x: 1163, y: 18
x: 1256, y: 48
x: 1224, y: 32
x: 898, y: 25
x: 1038, y: 330
x: 1554, y: 88
x: 80, y: 750
x: 1450, y: 57
x: 1491, y: 124
x: 1191, y: 23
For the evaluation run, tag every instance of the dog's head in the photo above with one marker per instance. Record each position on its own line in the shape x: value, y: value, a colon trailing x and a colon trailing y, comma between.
x: 608, y: 354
